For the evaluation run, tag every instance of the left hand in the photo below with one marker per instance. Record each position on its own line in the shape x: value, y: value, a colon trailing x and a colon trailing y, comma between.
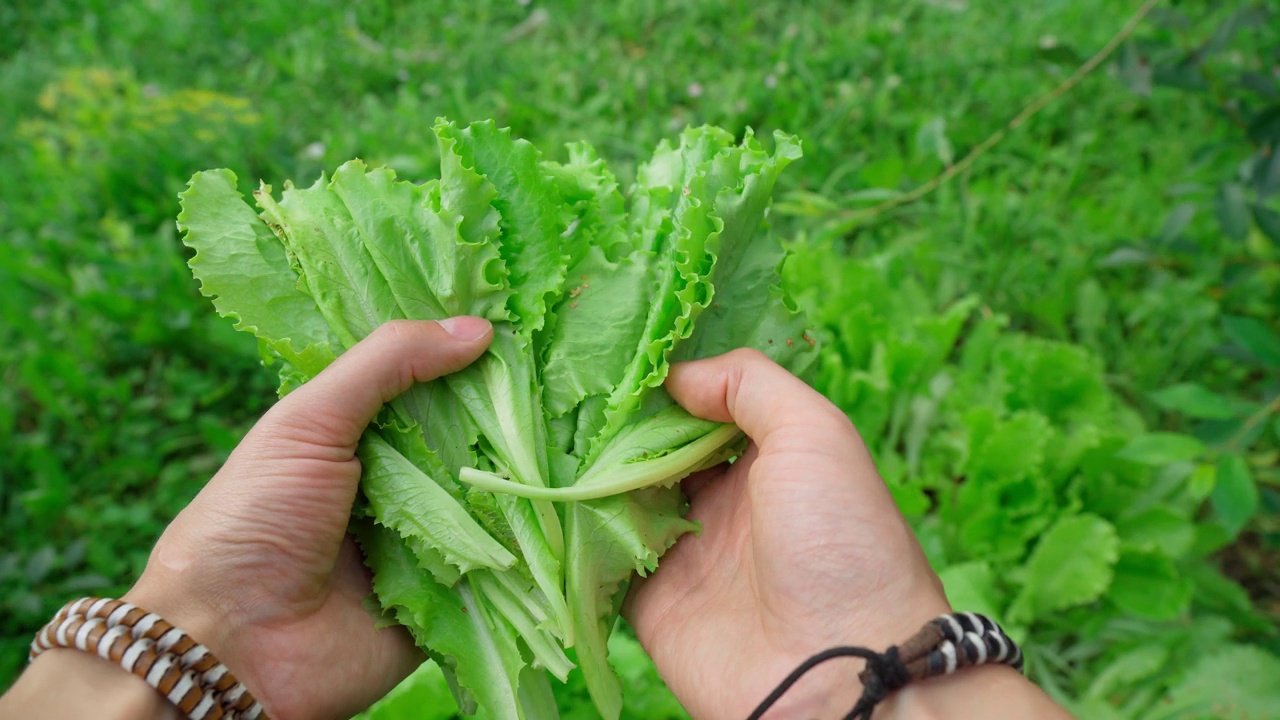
x: 259, y: 567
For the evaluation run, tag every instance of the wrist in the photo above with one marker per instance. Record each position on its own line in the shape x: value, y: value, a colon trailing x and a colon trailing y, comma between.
x: 70, y: 683
x: 997, y: 692
x: 202, y: 619
x: 831, y: 689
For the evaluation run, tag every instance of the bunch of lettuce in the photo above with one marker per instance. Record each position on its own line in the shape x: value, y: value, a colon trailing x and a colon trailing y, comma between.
x: 504, y: 508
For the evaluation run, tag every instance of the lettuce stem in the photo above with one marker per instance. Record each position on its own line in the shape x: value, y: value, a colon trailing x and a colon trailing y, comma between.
x: 599, y: 482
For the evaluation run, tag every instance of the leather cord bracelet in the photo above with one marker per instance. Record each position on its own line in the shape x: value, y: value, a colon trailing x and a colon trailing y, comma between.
x: 165, y: 657
x: 944, y: 645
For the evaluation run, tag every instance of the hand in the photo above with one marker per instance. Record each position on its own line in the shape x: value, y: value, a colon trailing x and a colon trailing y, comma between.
x: 802, y: 549
x: 259, y: 567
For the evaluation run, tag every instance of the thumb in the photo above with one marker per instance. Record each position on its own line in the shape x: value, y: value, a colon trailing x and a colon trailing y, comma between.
x: 745, y: 387
x: 793, y: 426
x: 299, y: 460
x: 332, y: 410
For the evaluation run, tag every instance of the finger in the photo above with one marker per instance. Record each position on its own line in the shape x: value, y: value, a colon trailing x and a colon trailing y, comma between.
x: 747, y: 388
x: 333, y: 409
x: 694, y: 484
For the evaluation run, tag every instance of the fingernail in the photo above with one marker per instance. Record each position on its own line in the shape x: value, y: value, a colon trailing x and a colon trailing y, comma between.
x: 466, y: 327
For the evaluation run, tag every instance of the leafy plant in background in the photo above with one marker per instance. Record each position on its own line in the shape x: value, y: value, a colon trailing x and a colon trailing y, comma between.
x: 1039, y: 495
x: 1233, y: 409
x: 1203, y: 287
x: 119, y: 392
x: 108, y: 137
x: 122, y: 391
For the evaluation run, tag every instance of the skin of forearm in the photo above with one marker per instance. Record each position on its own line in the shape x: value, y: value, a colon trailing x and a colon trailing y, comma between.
x: 64, y: 683
x: 994, y: 692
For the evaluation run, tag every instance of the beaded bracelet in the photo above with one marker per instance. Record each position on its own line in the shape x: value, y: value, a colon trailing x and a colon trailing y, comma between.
x: 165, y: 657
x: 944, y: 645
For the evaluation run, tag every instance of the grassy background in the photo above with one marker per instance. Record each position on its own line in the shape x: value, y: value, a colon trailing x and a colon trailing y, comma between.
x: 1100, y: 223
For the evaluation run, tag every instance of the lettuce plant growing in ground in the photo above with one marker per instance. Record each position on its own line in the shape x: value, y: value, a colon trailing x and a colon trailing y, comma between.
x: 1039, y: 495
x: 504, y: 508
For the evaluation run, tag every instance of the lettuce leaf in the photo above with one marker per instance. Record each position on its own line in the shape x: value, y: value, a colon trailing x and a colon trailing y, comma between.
x: 505, y: 508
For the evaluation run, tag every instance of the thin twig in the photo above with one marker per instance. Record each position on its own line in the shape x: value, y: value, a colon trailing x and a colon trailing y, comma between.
x: 1089, y: 66
x: 1262, y: 414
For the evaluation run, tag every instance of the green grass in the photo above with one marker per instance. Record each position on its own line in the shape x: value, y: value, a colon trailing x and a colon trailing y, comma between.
x: 120, y: 392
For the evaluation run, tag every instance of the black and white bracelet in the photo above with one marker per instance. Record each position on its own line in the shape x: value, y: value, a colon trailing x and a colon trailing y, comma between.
x: 944, y: 645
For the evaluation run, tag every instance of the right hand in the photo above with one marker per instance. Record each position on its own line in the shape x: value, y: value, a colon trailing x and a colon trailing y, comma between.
x: 802, y: 549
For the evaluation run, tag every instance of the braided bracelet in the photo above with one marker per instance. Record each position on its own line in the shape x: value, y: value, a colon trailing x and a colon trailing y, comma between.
x: 944, y: 645
x: 165, y: 657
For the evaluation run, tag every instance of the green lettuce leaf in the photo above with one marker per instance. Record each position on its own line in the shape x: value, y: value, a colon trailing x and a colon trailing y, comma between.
x: 476, y: 650
x: 318, y: 231
x: 406, y: 499
x: 244, y: 269
x: 609, y: 539
x: 504, y: 508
